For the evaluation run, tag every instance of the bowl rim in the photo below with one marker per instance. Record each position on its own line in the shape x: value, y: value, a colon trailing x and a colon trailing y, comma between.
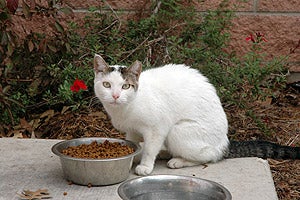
x: 170, y: 176
x: 61, y: 155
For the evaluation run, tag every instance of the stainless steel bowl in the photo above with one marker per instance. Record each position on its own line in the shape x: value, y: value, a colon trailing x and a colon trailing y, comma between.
x: 95, y: 171
x: 172, y: 187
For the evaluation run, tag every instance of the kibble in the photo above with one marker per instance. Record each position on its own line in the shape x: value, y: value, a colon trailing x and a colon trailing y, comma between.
x: 96, y: 150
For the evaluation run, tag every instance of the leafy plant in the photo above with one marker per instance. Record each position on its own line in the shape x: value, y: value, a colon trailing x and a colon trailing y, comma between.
x: 23, y: 62
x: 65, y: 94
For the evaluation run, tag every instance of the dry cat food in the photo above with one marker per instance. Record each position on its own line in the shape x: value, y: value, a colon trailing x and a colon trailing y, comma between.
x: 96, y: 150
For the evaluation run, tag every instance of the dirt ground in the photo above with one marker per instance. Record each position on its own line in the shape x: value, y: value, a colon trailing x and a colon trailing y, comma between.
x: 279, y: 121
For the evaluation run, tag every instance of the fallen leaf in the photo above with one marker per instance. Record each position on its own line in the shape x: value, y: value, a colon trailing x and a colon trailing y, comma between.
x: 47, y: 115
x: 35, y: 195
x: 17, y: 133
x: 35, y: 123
x: 25, y: 125
x: 26, y: 9
x: 99, y: 114
x: 266, y: 102
x: 30, y: 46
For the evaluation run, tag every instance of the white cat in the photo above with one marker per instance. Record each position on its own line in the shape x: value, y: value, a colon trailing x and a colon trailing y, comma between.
x: 173, y: 107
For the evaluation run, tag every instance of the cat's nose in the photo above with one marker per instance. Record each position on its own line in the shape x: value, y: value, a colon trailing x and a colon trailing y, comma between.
x: 115, y: 96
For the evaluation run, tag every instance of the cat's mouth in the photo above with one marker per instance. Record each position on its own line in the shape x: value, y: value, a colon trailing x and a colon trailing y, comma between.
x: 115, y: 103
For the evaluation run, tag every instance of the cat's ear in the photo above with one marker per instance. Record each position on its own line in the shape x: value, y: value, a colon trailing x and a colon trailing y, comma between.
x: 135, y: 68
x: 99, y: 64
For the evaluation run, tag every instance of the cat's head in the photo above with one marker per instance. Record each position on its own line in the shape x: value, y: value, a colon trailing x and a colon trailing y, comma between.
x: 115, y: 85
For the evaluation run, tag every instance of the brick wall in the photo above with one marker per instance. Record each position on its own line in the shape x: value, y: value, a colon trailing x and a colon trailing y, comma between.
x: 278, y: 20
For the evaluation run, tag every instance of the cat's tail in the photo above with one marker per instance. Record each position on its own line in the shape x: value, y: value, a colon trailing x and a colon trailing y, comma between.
x: 262, y: 149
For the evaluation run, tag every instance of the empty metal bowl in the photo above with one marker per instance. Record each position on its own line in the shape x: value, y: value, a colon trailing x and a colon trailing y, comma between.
x: 172, y: 187
x: 95, y: 172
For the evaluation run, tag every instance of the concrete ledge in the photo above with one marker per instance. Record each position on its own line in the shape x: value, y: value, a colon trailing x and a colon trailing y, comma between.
x: 28, y: 164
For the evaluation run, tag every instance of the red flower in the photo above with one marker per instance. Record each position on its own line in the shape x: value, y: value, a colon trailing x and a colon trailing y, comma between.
x: 78, y: 85
x: 257, y: 39
x: 250, y: 38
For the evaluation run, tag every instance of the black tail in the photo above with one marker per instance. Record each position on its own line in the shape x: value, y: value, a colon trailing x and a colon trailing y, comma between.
x: 262, y: 149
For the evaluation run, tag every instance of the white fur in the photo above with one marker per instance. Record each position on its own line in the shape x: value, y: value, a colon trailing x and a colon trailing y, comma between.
x: 175, y: 107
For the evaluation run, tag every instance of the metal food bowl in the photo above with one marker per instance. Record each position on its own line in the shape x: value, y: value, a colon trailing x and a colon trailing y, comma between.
x: 172, y: 187
x: 95, y: 172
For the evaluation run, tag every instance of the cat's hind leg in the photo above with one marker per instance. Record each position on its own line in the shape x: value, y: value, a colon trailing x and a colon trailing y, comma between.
x: 176, y: 163
x: 190, y: 145
x: 204, y: 155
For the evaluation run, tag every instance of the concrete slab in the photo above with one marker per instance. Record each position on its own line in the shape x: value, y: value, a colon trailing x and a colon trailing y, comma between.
x: 29, y: 164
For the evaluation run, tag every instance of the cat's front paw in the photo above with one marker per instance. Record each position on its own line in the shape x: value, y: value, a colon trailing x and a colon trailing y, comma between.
x: 143, y: 170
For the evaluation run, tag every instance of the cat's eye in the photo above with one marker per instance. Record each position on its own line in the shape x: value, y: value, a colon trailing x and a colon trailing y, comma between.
x: 125, y: 86
x: 106, y: 84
